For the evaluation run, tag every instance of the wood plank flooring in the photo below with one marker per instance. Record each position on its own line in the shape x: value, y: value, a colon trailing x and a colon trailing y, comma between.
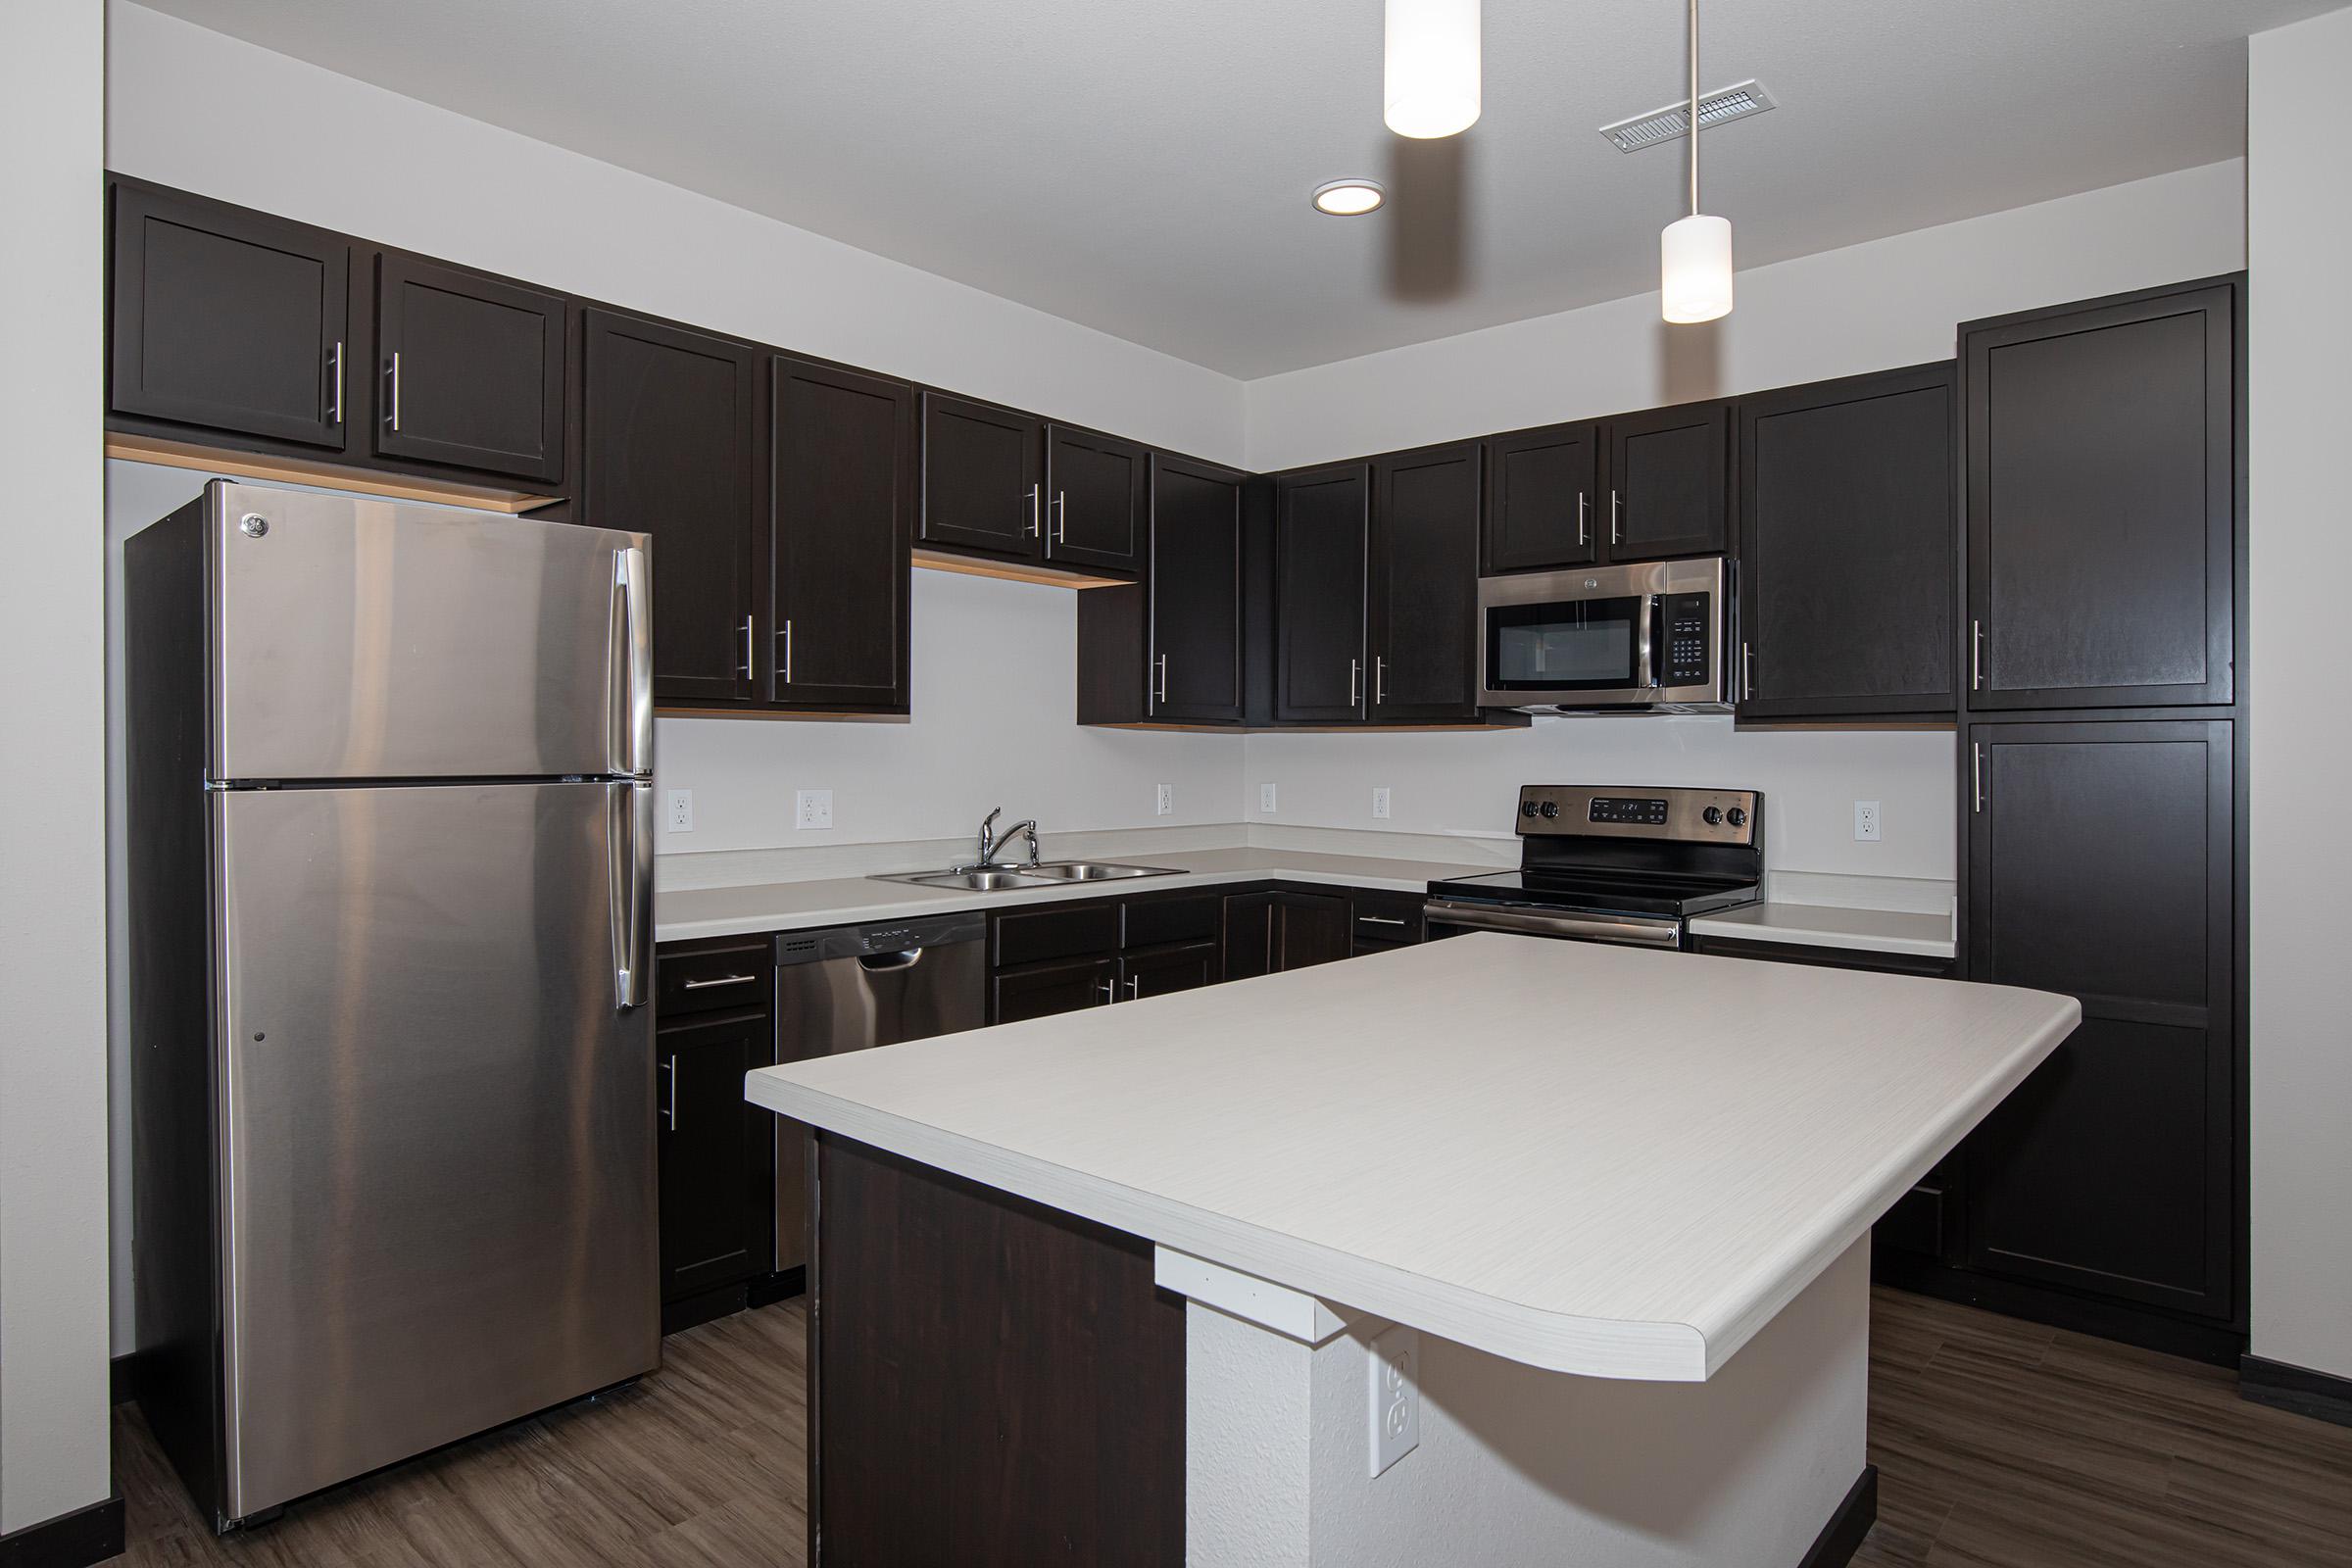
x: 2000, y: 1443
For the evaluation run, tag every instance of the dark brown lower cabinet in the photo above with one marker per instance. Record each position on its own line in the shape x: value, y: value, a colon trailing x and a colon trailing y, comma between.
x: 715, y: 1158
x: 1272, y: 932
x: 1041, y: 990
x: 991, y: 1381
x: 1157, y: 971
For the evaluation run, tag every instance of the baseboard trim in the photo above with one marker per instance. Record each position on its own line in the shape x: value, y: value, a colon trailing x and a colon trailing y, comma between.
x: 123, y: 1378
x: 1843, y: 1535
x: 75, y: 1540
x: 2322, y: 1395
x: 784, y: 1284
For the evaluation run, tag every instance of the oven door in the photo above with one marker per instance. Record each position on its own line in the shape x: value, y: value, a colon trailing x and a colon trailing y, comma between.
x: 1639, y: 636
x: 1447, y: 917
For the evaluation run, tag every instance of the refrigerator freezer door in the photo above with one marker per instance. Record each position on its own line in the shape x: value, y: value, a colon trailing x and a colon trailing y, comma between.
x: 368, y: 640
x: 438, y: 1173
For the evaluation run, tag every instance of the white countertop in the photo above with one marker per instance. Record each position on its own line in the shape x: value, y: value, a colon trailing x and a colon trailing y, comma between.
x: 1598, y: 1159
x: 683, y: 913
x: 1823, y: 925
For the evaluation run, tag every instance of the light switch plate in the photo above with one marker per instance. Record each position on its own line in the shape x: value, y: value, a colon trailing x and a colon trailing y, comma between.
x: 681, y: 810
x: 1165, y: 799
x: 1266, y: 798
x: 1396, y: 1396
x: 1380, y: 804
x: 1866, y: 821
x: 813, y: 809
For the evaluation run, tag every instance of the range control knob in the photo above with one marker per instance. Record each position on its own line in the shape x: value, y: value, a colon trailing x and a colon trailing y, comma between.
x: 1551, y: 808
x: 1712, y: 815
x: 1527, y: 807
x: 1736, y: 816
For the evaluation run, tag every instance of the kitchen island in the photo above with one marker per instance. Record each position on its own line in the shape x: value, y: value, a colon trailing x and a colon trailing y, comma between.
x: 1621, y: 1200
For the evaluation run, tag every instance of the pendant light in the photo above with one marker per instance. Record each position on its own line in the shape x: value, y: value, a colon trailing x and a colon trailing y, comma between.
x: 1429, y: 83
x: 1695, y: 253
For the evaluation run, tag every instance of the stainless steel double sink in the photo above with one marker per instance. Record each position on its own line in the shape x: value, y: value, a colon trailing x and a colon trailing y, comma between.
x: 1014, y: 878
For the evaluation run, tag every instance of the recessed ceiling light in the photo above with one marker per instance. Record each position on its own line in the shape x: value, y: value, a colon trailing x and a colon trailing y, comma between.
x: 1349, y: 198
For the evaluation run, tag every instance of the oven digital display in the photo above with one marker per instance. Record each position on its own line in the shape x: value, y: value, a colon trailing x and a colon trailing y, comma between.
x: 1627, y: 808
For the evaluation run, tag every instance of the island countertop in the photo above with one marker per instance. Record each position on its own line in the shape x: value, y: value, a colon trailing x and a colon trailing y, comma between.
x: 1597, y: 1160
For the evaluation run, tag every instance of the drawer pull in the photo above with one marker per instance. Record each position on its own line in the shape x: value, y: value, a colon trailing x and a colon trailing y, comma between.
x: 718, y: 980
x: 1380, y: 919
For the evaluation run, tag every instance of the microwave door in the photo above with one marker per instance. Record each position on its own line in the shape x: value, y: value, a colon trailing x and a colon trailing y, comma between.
x: 1578, y: 650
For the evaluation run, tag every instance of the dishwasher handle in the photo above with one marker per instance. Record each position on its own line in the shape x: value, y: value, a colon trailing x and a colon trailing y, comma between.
x: 888, y: 962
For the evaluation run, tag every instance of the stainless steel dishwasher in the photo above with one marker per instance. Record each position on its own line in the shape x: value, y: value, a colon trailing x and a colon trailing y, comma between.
x: 850, y: 987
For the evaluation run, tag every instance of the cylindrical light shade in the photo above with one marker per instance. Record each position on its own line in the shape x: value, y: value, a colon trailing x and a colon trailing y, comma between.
x: 1694, y: 254
x: 1430, y: 84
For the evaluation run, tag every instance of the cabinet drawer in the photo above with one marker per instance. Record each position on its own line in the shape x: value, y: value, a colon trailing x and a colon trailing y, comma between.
x: 1151, y: 923
x: 1388, y: 918
x: 1056, y: 931
x: 730, y: 972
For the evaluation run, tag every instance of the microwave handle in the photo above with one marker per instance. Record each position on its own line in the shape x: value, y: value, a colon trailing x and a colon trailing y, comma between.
x: 1645, y: 661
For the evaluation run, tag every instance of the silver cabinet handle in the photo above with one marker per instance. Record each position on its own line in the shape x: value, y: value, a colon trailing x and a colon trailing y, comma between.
x: 749, y: 641
x: 1380, y: 679
x: 784, y: 640
x: 1134, y: 987
x: 1747, y: 670
x: 718, y: 980
x: 396, y: 390
x: 1380, y: 919
x: 1110, y: 989
x: 1976, y: 776
x: 1583, y: 519
x: 1616, y: 514
x: 1061, y: 515
x: 1355, y: 680
x: 1036, y: 514
x: 1976, y: 656
x: 670, y: 1099
x: 334, y: 414
x: 1159, y: 693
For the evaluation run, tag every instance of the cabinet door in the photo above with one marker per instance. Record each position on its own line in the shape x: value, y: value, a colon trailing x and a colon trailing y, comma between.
x: 228, y: 319
x: 1248, y: 935
x: 666, y: 430
x: 1321, y: 543
x: 1669, y: 482
x: 983, y: 484
x: 1845, y: 547
x: 1309, y: 928
x: 2102, y: 504
x: 1195, y: 672
x: 1540, y: 490
x: 841, y: 520
x: 1096, y: 500
x: 1424, y: 586
x: 1042, y: 990
x: 716, y: 1156
x: 473, y: 370
x: 2099, y: 864
x: 1160, y: 970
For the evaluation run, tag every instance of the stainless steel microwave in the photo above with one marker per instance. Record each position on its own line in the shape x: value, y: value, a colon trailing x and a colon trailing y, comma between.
x: 1652, y: 637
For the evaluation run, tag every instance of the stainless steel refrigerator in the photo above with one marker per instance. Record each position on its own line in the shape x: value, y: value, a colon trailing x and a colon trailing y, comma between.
x: 391, y: 854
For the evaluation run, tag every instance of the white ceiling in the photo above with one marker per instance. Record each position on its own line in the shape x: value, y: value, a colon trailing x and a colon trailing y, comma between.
x: 1143, y: 166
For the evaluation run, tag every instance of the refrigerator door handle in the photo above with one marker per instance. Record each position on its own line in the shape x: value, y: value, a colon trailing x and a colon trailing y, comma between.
x: 629, y: 727
x: 629, y: 864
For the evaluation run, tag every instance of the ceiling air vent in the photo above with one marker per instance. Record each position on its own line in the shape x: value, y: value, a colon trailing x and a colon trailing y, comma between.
x: 1671, y: 123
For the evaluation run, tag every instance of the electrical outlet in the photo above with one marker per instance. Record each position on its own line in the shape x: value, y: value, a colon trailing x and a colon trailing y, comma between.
x: 1395, y: 1404
x: 1866, y: 821
x: 681, y: 810
x: 1164, y: 800
x: 1380, y: 804
x: 1265, y: 799
x: 813, y: 809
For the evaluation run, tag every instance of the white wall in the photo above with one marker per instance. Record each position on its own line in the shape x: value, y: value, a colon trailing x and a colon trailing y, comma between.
x: 2299, y: 230
x: 1873, y: 307
x: 53, y: 1274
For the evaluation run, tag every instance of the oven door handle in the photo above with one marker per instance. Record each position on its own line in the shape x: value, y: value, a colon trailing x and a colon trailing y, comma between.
x: 1626, y: 929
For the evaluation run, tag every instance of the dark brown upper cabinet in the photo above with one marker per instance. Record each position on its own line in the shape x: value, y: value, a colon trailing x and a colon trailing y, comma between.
x: 1540, y: 486
x: 1669, y: 483
x: 1195, y: 669
x: 1846, y: 551
x: 1423, y: 584
x: 667, y: 428
x: 983, y: 478
x: 2103, y: 501
x: 2099, y: 863
x: 472, y: 368
x: 841, y: 523
x: 1322, y: 543
x: 1095, y: 500
x: 228, y: 319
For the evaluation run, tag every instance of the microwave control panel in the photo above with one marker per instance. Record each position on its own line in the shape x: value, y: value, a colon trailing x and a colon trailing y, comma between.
x: 1689, y: 662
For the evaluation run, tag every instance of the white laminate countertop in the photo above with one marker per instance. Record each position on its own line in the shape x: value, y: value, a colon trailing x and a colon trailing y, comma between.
x: 1822, y: 925
x: 1598, y: 1159
x: 688, y: 912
